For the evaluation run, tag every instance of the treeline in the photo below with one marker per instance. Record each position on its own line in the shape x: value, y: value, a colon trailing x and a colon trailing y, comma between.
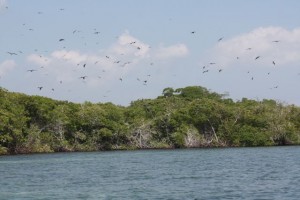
x: 180, y: 118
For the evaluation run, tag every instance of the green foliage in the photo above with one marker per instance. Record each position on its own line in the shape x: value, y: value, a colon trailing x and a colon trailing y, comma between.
x: 180, y: 118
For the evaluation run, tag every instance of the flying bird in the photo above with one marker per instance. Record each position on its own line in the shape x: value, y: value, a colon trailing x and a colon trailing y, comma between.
x: 220, y: 39
x: 193, y: 32
x: 220, y: 70
x: 257, y: 57
x: 83, y: 77
x: 11, y: 53
x: 31, y: 70
x: 275, y: 41
x: 273, y: 62
x: 60, y: 40
x: 40, y: 87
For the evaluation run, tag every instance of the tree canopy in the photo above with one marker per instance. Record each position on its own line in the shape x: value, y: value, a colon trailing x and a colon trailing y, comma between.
x: 181, y: 118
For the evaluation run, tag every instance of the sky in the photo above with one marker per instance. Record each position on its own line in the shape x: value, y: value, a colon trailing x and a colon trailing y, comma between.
x: 120, y: 51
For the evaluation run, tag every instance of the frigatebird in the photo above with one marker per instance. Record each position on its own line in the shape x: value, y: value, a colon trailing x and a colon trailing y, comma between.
x: 11, y: 53
x: 31, y: 70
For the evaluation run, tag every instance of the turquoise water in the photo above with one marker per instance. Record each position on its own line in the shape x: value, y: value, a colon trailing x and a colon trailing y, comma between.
x: 230, y: 173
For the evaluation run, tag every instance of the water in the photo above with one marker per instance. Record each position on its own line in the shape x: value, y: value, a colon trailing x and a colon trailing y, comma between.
x: 231, y: 173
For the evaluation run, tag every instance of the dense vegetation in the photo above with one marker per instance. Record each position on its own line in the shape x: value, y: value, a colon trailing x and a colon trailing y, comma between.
x: 184, y: 117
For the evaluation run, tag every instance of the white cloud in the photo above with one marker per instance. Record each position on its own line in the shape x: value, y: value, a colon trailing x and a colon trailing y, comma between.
x: 126, y: 57
x: 178, y: 50
x: 261, y: 42
x: 73, y: 57
x: 6, y: 66
x: 38, y: 59
x: 129, y: 45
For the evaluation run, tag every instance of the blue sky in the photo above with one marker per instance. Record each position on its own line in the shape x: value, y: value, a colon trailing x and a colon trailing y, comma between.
x: 123, y: 50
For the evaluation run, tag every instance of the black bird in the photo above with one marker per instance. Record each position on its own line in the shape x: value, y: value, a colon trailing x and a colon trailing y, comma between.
x: 275, y: 41
x: 273, y: 62
x: 83, y: 77
x: 11, y: 53
x: 120, y: 79
x: 220, y: 70
x: 212, y: 63
x: 97, y: 32
x: 193, y: 32
x: 31, y: 70
x: 40, y: 87
x: 84, y: 65
x: 248, y: 48
x: 220, y: 39
x: 257, y: 57
x: 60, y: 40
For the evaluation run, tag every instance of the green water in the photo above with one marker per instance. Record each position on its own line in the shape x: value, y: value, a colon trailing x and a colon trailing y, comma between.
x: 231, y: 173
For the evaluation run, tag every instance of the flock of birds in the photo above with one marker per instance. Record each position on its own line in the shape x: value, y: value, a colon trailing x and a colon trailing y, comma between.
x: 120, y: 62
